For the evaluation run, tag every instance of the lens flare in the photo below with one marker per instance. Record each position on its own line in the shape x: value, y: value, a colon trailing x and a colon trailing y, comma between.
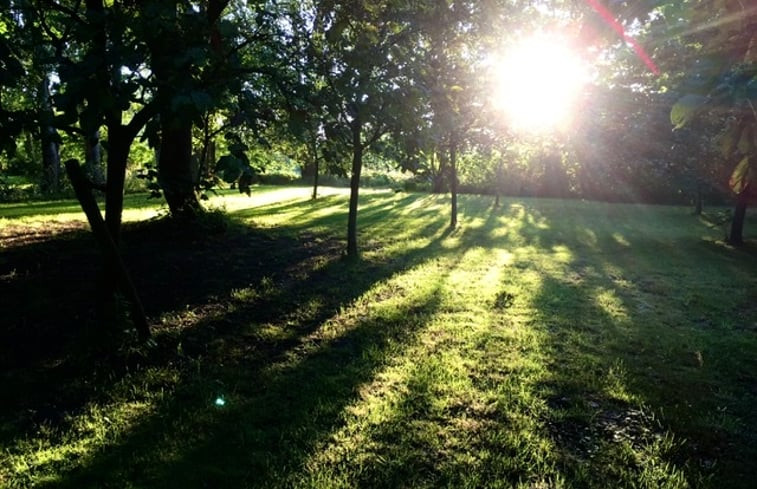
x: 537, y: 83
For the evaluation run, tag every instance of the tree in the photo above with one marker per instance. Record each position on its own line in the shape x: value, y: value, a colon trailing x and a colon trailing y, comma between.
x: 29, y: 62
x: 360, y: 50
x: 724, y: 87
x: 456, y: 37
x: 185, y: 46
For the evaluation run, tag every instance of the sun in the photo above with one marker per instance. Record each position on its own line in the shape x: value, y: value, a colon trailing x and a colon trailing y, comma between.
x: 537, y: 83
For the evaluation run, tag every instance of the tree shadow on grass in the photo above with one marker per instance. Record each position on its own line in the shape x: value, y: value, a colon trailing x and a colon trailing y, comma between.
x: 52, y: 365
x: 50, y: 286
x: 285, y: 379
x: 49, y: 327
x: 281, y: 396
x: 330, y: 212
x: 643, y: 359
x: 270, y: 422
x: 298, y: 379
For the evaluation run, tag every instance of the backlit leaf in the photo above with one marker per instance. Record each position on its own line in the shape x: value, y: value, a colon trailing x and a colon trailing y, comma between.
x: 741, y: 176
x: 685, y: 109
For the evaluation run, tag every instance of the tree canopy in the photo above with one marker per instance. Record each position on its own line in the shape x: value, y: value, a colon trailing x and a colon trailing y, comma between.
x: 210, y: 87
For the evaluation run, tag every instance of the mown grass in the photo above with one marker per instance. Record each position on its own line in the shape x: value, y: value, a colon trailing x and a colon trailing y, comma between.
x: 542, y: 344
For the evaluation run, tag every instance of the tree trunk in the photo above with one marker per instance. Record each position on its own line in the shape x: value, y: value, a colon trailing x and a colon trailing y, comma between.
x: 357, y: 166
x: 438, y: 180
x: 49, y: 140
x: 118, y: 155
x: 175, y: 173
x: 499, y: 182
x: 210, y: 159
x: 204, y: 160
x: 315, y: 180
x: 113, y: 263
x: 698, y: 200
x: 93, y: 157
x: 315, y: 169
x: 736, y: 236
x: 168, y: 48
x: 453, y: 183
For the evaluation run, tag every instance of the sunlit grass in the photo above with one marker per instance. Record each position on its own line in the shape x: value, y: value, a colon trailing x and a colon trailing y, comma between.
x: 140, y: 207
x: 543, y: 344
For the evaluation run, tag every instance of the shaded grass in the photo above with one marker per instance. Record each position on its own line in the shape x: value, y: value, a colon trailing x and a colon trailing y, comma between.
x: 542, y: 344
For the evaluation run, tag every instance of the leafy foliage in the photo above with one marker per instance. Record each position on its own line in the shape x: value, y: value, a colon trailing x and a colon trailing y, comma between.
x: 723, y: 83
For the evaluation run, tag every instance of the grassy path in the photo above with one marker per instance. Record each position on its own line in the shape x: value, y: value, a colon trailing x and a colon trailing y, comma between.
x: 544, y: 344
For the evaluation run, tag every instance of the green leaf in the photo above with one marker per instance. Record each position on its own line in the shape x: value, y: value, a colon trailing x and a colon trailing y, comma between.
x: 685, y: 109
x: 741, y: 176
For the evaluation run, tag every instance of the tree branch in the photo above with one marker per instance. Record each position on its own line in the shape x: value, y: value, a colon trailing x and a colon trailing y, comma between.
x: 141, y: 118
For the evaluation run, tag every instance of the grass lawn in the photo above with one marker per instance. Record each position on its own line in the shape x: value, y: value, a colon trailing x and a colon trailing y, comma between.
x: 542, y: 344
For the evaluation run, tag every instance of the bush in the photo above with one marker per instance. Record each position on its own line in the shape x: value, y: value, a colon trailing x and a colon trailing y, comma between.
x: 278, y: 178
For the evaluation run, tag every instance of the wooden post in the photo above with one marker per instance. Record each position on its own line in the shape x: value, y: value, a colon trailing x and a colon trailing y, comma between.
x: 83, y: 191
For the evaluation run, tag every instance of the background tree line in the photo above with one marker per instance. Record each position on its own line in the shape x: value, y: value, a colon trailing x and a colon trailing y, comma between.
x: 190, y: 94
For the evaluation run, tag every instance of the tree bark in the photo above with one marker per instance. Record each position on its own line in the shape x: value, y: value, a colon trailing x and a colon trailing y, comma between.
x: 736, y: 236
x: 113, y: 260
x: 175, y: 173
x: 49, y: 140
x: 118, y: 155
x: 357, y: 166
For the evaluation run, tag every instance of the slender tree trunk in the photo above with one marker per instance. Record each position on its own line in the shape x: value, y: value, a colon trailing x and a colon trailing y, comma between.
x: 499, y: 181
x: 316, y: 164
x: 736, y: 236
x: 175, y: 167
x: 453, y: 182
x: 357, y: 166
x: 49, y: 140
x: 315, y: 180
x: 698, y: 201
x: 211, y: 159
x: 93, y: 157
x: 118, y: 155
x: 114, y: 263
x: 204, y: 163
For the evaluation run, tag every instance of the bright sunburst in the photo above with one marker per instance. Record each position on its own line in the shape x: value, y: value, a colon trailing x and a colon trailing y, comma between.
x: 537, y: 83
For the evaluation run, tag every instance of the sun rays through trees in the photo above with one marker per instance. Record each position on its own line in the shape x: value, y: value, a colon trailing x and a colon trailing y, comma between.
x: 353, y: 243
